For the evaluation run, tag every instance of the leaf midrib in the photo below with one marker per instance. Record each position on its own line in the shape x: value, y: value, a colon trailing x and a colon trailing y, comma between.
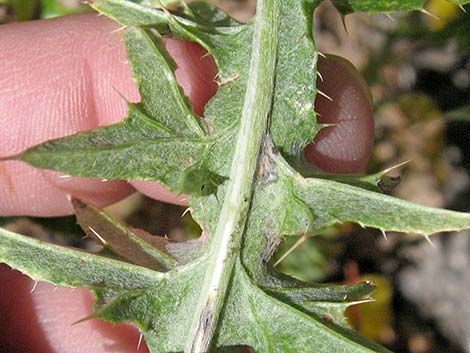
x: 225, y: 242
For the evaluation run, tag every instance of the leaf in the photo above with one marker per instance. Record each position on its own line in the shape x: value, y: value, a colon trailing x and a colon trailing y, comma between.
x: 349, y: 6
x: 220, y: 291
x: 460, y: 114
x: 135, y: 245
x: 459, y: 2
x: 55, y: 8
x: 120, y: 240
x: 24, y: 9
x: 348, y: 203
x: 379, y: 182
x: 72, y: 268
x: 266, y: 320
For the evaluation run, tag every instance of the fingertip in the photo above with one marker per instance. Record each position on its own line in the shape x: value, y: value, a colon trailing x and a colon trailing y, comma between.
x: 25, y: 190
x: 158, y: 192
x: 59, y: 311
x: 346, y: 145
x: 195, y: 73
x: 19, y: 327
x: 99, y: 192
x: 40, y: 318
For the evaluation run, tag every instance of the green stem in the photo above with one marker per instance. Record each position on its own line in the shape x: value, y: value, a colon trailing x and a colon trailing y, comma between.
x: 226, y: 241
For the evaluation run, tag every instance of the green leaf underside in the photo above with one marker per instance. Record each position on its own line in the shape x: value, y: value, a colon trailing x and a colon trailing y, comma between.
x: 71, y: 268
x: 267, y: 70
x: 350, y: 6
x: 349, y: 203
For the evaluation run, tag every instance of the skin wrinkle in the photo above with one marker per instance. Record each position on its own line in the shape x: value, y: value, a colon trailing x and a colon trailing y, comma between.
x: 59, y: 103
x: 24, y: 192
x: 346, y: 127
x: 73, y: 101
x: 90, y: 93
x: 102, y: 68
x: 7, y: 179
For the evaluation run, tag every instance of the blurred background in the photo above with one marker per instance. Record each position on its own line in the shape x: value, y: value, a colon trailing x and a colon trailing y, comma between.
x: 418, y: 68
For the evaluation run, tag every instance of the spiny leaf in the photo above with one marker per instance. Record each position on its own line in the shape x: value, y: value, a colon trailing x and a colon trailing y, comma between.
x: 132, y: 244
x: 221, y: 292
x: 303, y: 293
x: 350, y: 6
x: 120, y: 239
x: 348, y: 203
x: 379, y: 182
x: 247, y: 304
x: 459, y: 2
x: 273, y: 326
x: 72, y: 268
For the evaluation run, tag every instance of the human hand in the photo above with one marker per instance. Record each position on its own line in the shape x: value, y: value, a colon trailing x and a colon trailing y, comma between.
x: 68, y: 74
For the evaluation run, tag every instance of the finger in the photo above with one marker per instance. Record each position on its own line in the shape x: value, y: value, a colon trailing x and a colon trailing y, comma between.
x: 40, y: 318
x: 62, y: 76
x: 57, y: 77
x: 156, y: 191
x: 29, y: 191
x: 346, y: 146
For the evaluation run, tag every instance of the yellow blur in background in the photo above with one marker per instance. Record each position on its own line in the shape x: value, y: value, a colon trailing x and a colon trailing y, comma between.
x: 443, y: 10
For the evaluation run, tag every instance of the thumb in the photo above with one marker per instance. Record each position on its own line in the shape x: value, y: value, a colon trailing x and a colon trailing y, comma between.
x: 66, y: 75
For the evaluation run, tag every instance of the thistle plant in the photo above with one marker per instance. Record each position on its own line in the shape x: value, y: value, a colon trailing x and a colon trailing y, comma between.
x: 242, y: 166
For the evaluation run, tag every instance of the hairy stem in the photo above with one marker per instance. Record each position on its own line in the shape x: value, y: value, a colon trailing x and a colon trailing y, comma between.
x: 226, y: 241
